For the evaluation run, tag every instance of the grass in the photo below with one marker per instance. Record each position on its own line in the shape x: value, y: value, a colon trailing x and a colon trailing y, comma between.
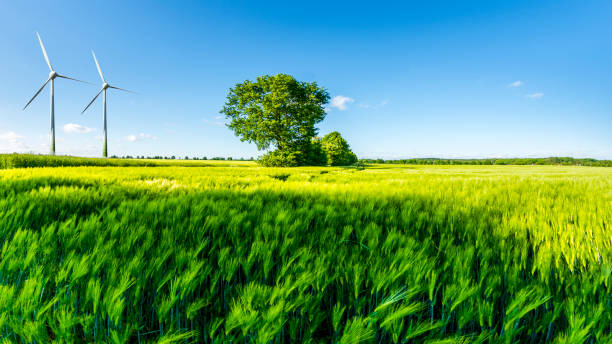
x: 390, y: 253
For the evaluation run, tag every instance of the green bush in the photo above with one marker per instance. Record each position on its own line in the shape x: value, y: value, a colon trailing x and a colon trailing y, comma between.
x: 337, y: 150
x: 279, y: 158
x: 315, y: 155
x: 309, y: 153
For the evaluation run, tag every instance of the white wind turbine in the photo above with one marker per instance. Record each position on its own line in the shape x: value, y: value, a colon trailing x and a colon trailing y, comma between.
x: 105, y: 85
x: 52, y: 76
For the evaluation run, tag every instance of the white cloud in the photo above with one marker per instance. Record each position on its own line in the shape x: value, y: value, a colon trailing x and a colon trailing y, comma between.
x: 140, y: 137
x: 10, y: 136
x: 340, y: 102
x: 535, y: 95
x: 12, y: 142
x: 72, y: 128
x: 517, y: 83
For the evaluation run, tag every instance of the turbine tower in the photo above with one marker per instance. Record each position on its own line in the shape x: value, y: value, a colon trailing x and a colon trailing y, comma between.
x: 105, y: 86
x: 52, y: 76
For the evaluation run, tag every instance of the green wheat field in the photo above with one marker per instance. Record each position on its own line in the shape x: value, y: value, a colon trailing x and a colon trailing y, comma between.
x: 230, y: 252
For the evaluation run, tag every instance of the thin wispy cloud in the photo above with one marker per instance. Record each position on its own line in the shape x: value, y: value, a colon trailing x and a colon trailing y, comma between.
x: 10, y: 136
x: 73, y: 128
x: 341, y: 102
x: 12, y: 142
x: 217, y: 121
x: 376, y: 106
x: 537, y: 95
x: 140, y: 137
x: 517, y: 83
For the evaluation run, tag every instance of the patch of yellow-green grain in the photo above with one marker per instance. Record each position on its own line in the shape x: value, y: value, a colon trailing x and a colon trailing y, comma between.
x: 233, y: 252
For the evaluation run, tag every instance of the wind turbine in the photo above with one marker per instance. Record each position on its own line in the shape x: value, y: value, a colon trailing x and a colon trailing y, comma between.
x: 52, y: 76
x: 105, y: 86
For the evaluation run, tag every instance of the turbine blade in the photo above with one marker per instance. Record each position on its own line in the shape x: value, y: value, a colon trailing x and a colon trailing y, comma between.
x: 122, y: 89
x: 43, y: 86
x: 42, y: 46
x: 98, y: 65
x: 69, y: 78
x: 93, y: 100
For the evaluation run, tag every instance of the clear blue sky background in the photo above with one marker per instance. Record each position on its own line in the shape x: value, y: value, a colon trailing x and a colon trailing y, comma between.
x: 424, y: 78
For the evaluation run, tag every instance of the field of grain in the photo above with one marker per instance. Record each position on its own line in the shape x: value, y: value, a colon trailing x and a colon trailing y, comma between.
x: 238, y: 253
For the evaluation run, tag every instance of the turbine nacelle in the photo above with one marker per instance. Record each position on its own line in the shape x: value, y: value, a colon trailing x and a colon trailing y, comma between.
x: 105, y: 86
x: 52, y: 76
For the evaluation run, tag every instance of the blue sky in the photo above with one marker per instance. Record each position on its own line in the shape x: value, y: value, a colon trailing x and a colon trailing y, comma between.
x: 411, y: 79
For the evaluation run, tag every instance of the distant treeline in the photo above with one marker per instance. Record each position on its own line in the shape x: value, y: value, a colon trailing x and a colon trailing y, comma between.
x: 38, y: 160
x: 565, y: 161
x: 34, y: 160
x: 174, y: 157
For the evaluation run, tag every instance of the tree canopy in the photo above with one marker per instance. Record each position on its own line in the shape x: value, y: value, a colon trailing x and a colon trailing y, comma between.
x: 277, y: 111
x: 337, y: 150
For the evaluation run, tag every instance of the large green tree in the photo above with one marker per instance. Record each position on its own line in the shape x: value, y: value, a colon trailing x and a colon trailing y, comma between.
x: 337, y: 150
x: 277, y: 111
